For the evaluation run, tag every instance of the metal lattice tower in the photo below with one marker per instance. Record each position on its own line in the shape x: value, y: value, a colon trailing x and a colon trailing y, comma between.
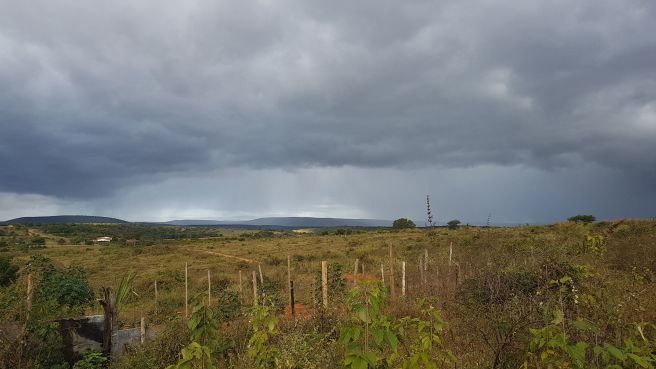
x: 428, y: 212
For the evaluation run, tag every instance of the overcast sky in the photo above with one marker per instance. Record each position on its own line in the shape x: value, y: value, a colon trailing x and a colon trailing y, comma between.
x: 530, y: 110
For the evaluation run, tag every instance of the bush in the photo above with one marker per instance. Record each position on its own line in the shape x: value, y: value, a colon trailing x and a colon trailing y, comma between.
x: 7, y: 272
x: 67, y: 286
x: 497, y: 288
x: 40, y: 241
x: 92, y: 360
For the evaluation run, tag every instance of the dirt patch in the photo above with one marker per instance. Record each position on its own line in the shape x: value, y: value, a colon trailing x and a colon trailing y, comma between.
x: 302, y: 311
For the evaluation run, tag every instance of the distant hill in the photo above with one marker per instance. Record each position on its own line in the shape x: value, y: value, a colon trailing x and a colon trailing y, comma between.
x: 309, y: 222
x: 65, y: 219
x: 290, y: 222
x: 196, y: 222
x: 276, y: 222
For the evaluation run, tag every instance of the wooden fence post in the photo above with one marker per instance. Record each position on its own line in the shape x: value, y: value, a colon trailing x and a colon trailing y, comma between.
x: 391, y: 257
x: 450, y: 252
x: 142, y: 330
x: 29, y: 292
x: 241, y: 292
x: 425, y: 266
x: 355, y: 268
x: 421, y: 271
x: 186, y: 290
x: 156, y: 299
x: 290, y: 285
x: 382, y: 273
x: 259, y: 267
x: 403, y: 278
x: 324, y: 283
x: 108, y: 303
x: 254, y: 289
x: 291, y: 298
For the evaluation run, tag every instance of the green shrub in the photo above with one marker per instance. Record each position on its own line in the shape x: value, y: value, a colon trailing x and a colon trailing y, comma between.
x: 68, y: 287
x: 92, y: 360
x: 7, y: 271
x: 497, y: 288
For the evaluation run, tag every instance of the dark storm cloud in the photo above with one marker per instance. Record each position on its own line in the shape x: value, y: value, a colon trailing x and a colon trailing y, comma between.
x: 96, y: 97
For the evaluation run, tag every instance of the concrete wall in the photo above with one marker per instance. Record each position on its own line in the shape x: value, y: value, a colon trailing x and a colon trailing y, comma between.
x: 85, y: 334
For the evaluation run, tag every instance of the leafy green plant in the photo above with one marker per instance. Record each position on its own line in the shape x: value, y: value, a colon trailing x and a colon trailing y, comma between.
x: 92, y: 360
x: 370, y: 332
x: 595, y: 244
x: 372, y: 338
x: 552, y: 347
x: 421, y: 341
x: 43, y: 346
x: 203, y: 326
x: 265, y: 327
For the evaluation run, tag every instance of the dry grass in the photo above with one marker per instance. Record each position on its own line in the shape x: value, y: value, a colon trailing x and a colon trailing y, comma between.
x: 630, y: 254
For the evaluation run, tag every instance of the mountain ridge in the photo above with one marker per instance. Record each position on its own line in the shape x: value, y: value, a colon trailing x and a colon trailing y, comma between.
x: 65, y: 219
x: 286, y: 222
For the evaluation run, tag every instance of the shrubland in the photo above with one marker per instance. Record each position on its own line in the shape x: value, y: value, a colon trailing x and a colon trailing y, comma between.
x: 569, y: 295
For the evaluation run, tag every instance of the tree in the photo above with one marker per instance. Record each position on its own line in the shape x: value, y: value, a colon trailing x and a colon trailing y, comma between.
x: 585, y: 219
x: 7, y: 271
x: 453, y: 224
x: 402, y: 223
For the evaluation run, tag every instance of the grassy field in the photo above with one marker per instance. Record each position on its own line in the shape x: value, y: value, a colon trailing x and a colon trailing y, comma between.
x: 490, y: 293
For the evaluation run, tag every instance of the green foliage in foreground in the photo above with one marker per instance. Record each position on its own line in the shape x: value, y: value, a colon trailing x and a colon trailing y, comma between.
x: 93, y: 360
x: 206, y: 341
x: 373, y: 339
x: 552, y: 347
x: 265, y: 327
